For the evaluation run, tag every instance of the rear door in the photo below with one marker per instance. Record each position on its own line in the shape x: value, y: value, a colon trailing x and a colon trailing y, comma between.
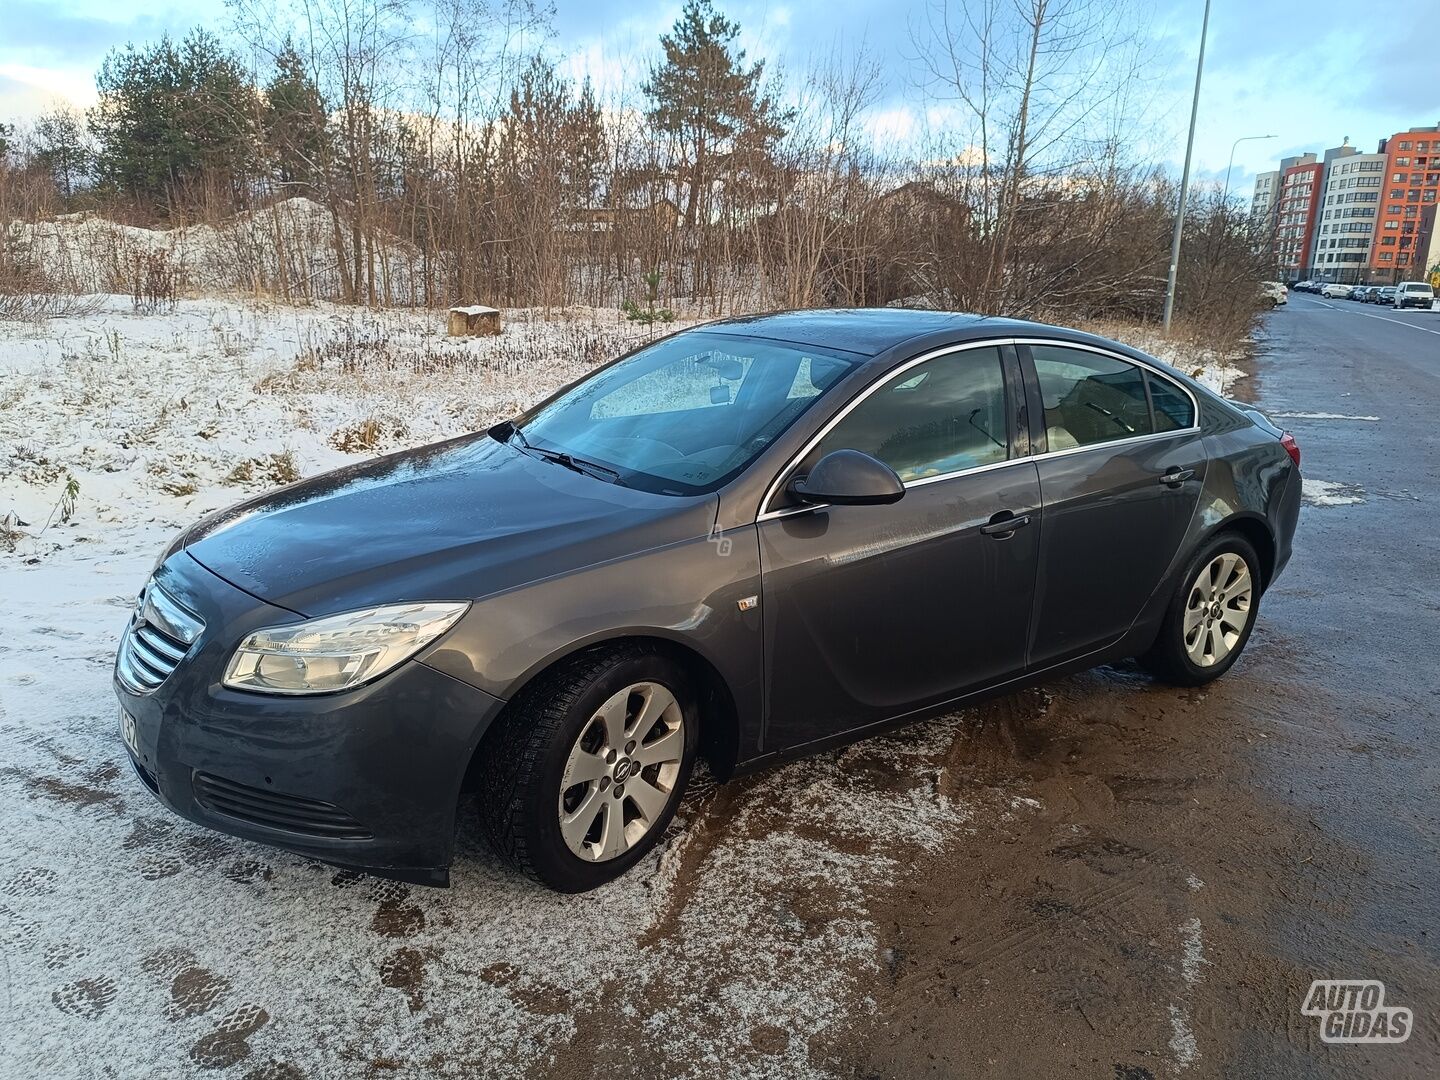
x: 872, y: 611
x: 1121, y: 467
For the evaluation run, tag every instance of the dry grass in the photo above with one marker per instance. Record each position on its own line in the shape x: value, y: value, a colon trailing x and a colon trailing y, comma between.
x: 271, y: 470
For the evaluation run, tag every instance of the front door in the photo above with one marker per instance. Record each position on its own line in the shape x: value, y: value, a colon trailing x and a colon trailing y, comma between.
x: 873, y: 611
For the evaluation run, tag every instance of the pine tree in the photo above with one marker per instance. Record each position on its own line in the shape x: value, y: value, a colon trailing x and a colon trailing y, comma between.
x: 61, y: 149
x: 585, y: 137
x: 715, y: 106
x: 295, y: 122
x: 172, y: 119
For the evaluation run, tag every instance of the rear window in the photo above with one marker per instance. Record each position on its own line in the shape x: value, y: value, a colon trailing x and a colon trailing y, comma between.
x: 1173, y: 410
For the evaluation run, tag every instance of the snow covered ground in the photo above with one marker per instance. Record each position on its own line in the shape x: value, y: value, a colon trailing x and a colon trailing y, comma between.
x: 136, y: 944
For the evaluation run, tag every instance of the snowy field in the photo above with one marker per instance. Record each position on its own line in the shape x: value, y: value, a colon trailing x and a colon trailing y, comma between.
x: 135, y: 944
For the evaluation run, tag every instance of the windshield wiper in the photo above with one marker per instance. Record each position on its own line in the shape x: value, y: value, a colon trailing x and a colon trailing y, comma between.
x: 570, y: 461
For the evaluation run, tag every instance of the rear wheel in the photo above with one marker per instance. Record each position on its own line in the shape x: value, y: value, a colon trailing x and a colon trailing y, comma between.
x: 590, y: 765
x: 1210, y: 616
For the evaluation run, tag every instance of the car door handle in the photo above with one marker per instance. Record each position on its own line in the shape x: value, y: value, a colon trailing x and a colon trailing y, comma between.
x: 1004, y: 524
x: 1176, y: 477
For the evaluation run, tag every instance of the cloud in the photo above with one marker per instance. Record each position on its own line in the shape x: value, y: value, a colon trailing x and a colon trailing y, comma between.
x: 28, y: 91
x: 51, y: 49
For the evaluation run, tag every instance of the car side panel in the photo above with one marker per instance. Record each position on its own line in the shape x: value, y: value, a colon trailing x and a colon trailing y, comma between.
x: 688, y: 592
x: 1251, y: 477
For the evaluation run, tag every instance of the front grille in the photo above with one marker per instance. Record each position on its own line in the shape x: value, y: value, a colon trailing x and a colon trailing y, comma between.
x: 160, y: 633
x: 275, y: 811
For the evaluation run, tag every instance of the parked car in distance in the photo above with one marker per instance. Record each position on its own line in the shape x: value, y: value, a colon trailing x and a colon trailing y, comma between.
x: 751, y: 541
x: 1304, y: 286
x: 1385, y: 294
x: 1360, y: 293
x: 1275, y: 292
x: 1420, y: 294
x: 1335, y: 291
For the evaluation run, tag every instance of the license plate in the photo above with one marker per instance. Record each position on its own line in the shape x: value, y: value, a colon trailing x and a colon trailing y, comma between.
x: 127, y: 732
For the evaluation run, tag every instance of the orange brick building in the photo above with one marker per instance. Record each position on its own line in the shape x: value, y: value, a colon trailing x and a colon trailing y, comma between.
x: 1412, y: 186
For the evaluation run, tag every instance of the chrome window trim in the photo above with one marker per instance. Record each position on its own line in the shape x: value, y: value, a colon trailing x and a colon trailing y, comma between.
x: 771, y: 491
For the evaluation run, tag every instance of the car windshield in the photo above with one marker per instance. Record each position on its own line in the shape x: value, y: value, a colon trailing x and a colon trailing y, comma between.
x: 687, y: 414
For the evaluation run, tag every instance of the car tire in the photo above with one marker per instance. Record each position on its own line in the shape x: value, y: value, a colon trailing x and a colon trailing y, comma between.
x: 554, y: 732
x: 1198, y: 640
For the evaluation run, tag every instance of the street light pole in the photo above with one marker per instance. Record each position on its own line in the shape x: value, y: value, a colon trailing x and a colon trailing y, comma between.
x: 1237, y: 142
x: 1185, y: 176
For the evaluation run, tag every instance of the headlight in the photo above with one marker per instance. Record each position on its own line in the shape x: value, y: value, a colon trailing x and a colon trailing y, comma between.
x: 337, y: 652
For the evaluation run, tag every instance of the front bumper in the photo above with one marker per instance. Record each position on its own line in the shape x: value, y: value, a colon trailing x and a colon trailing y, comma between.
x: 367, y: 779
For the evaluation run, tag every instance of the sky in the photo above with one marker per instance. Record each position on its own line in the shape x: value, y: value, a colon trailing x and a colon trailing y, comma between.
x: 1309, y: 73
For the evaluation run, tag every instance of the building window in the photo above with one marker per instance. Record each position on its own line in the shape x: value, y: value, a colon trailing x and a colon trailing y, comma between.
x: 1404, y: 146
x: 1386, y: 256
x: 1402, y: 161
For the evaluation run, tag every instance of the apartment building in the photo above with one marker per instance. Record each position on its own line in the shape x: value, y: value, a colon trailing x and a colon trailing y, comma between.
x: 1301, y: 182
x: 1349, y: 205
x: 1409, y: 191
x: 1263, y: 201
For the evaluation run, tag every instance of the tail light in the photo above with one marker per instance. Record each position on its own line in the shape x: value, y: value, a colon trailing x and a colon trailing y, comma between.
x: 1291, y: 447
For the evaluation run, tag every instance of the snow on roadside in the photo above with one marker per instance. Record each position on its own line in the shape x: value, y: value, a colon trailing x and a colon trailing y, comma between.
x: 1329, y: 493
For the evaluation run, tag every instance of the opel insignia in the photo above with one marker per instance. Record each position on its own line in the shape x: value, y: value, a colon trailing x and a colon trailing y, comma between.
x: 747, y: 541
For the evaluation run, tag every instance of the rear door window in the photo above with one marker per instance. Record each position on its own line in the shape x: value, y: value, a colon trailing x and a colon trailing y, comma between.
x: 1090, y: 398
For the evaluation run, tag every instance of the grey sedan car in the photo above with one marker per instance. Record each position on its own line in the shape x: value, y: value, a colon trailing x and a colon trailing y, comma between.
x: 749, y: 541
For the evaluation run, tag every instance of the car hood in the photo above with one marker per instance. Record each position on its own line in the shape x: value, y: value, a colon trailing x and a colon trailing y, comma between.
x: 457, y: 520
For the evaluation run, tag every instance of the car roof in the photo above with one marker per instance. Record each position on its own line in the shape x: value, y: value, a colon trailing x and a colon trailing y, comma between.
x: 872, y: 331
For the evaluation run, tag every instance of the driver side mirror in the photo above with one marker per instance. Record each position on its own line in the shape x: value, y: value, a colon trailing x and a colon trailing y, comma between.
x: 848, y: 478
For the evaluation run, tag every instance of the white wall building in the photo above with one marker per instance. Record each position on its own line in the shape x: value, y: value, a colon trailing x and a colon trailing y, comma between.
x: 1262, y: 201
x: 1350, y: 198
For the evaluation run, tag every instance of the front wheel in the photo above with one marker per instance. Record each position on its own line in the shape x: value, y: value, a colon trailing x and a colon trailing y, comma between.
x: 1210, y: 616
x: 589, y: 766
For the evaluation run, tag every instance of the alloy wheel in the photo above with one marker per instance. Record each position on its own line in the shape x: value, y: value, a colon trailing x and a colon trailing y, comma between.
x: 622, y: 772
x: 1218, y: 609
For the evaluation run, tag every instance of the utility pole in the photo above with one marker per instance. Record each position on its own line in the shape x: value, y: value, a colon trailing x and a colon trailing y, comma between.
x: 1185, y: 176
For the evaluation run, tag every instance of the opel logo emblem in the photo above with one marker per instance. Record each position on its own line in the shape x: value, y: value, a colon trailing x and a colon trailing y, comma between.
x: 622, y: 770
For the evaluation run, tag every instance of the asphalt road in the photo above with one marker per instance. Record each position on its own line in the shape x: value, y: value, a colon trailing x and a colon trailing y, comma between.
x: 1199, y: 858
